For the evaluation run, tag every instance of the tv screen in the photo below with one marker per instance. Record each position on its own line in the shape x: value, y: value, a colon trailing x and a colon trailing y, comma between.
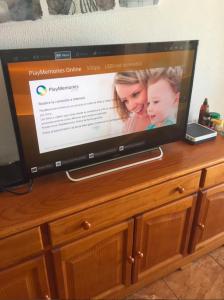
x: 76, y: 106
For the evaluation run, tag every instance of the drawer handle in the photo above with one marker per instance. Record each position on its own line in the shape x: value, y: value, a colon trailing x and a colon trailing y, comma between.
x: 201, y: 226
x: 47, y: 297
x: 180, y: 189
x: 139, y: 255
x: 86, y: 225
x: 131, y: 260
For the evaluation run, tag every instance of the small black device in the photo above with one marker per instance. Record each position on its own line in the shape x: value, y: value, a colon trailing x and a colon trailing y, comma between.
x: 197, y: 133
x: 11, y: 175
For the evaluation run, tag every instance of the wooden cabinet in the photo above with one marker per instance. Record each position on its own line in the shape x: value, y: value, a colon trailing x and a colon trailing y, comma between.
x: 209, y: 224
x: 19, y: 279
x: 105, y: 263
x: 162, y: 236
x: 101, y: 264
x: 25, y: 281
x: 90, y: 220
x: 96, y: 266
x: 213, y: 175
x: 17, y: 247
x: 109, y: 236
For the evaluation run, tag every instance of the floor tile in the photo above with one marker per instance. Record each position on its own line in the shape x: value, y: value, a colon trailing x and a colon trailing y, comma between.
x: 218, y: 255
x: 156, y: 290
x: 203, y: 279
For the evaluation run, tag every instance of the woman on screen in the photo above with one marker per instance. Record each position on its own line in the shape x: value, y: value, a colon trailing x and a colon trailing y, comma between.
x: 130, y: 100
x: 163, y: 96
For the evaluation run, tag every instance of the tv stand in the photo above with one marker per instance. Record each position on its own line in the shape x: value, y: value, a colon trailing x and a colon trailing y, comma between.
x: 115, y: 164
x: 108, y: 237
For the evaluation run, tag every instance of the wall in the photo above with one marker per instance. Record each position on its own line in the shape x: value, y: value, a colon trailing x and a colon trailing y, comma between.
x: 170, y: 20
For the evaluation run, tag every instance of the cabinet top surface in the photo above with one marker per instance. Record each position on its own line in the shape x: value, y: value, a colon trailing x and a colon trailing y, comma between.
x: 54, y: 196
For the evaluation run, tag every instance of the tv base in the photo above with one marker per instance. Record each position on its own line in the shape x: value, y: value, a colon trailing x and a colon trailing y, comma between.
x: 115, y: 164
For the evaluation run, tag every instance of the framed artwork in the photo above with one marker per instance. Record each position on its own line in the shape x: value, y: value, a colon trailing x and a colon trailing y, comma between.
x: 69, y: 7
x: 21, y: 10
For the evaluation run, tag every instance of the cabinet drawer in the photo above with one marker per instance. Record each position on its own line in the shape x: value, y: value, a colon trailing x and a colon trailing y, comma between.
x: 92, y: 219
x: 20, y: 246
x: 214, y: 175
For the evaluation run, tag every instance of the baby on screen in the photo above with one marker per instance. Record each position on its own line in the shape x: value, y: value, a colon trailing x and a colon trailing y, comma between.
x: 163, y: 96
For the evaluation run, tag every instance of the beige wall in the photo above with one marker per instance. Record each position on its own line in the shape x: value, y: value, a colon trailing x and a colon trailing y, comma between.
x: 170, y: 20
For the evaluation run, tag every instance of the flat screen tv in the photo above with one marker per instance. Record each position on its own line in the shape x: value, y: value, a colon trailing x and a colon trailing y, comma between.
x: 77, y: 106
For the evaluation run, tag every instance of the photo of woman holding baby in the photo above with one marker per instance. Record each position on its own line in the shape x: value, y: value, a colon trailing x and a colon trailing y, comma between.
x: 147, y: 99
x: 130, y: 100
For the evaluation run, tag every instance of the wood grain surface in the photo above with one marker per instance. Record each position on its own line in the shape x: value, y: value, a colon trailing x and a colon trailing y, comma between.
x: 53, y: 196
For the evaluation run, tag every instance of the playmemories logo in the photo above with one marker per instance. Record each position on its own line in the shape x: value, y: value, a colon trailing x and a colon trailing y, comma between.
x: 42, y: 90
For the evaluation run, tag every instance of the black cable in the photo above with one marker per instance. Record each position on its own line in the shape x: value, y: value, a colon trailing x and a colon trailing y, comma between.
x: 8, y: 190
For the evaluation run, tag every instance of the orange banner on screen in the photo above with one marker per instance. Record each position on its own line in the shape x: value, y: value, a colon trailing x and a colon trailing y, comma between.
x: 23, y: 72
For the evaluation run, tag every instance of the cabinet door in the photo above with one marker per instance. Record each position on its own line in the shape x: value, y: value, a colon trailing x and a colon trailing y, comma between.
x: 209, y: 224
x: 162, y: 236
x: 25, y: 281
x: 95, y: 266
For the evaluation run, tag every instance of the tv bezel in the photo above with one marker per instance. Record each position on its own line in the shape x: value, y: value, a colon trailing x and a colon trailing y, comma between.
x: 28, y: 54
